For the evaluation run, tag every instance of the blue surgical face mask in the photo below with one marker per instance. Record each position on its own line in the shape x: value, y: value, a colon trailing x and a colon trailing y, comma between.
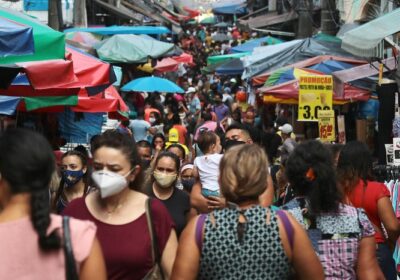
x: 71, y: 177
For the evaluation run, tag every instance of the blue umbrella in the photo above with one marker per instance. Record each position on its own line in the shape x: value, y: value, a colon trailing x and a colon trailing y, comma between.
x: 152, y: 84
x: 330, y: 66
x: 8, y: 104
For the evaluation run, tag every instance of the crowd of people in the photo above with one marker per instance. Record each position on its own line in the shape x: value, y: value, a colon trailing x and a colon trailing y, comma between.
x: 204, y: 185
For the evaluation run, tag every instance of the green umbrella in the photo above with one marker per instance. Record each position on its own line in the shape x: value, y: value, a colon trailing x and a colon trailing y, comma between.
x: 131, y: 49
x: 34, y: 103
x: 49, y: 44
x: 209, y: 20
x: 216, y: 58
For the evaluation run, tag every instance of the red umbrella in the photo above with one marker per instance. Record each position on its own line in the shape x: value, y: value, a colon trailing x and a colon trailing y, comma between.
x: 62, y: 77
x: 105, y: 102
x: 167, y: 65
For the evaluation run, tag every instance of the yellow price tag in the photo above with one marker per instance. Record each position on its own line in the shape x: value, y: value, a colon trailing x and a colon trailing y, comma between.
x: 326, y: 125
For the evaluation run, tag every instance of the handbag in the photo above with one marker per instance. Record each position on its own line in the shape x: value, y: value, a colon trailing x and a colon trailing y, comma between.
x: 70, y: 266
x: 156, y: 272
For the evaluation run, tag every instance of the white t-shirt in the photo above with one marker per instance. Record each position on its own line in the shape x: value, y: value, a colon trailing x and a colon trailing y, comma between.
x: 208, y: 168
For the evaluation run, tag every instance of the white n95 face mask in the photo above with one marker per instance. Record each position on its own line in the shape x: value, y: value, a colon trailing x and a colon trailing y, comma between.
x: 109, y: 183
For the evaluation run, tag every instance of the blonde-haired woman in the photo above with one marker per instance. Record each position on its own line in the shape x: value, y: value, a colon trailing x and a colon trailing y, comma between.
x: 245, y: 240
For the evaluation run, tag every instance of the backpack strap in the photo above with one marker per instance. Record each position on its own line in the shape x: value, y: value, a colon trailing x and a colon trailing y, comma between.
x: 288, y: 226
x: 199, y: 230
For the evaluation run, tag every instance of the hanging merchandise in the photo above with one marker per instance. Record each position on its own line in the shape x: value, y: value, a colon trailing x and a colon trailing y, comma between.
x: 389, y: 154
x: 341, y: 129
x: 396, y: 151
x: 396, y: 121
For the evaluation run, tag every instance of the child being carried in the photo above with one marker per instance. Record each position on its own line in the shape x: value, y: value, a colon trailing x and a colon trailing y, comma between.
x: 206, y: 167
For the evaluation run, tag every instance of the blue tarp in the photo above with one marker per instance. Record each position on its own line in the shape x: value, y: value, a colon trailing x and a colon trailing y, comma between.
x: 233, y: 67
x: 230, y: 7
x: 79, y: 130
x: 8, y: 104
x: 250, y: 45
x: 15, y: 38
x: 112, y: 30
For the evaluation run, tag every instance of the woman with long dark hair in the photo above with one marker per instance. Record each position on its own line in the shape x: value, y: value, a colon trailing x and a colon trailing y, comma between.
x: 354, y: 175
x: 341, y: 235
x: 74, y: 181
x: 31, y: 242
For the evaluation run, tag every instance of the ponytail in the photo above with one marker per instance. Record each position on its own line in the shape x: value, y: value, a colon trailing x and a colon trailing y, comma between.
x: 40, y: 217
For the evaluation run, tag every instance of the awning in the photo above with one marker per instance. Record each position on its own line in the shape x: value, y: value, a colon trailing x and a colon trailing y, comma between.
x: 260, y: 79
x: 113, y: 30
x: 230, y: 7
x: 366, y: 40
x: 268, y: 19
x: 120, y: 11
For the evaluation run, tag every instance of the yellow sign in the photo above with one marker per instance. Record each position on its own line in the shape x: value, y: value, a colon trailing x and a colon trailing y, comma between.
x: 326, y: 125
x: 315, y: 93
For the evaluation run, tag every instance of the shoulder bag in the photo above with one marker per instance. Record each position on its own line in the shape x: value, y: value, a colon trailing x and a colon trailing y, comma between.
x: 156, y: 272
x: 70, y: 266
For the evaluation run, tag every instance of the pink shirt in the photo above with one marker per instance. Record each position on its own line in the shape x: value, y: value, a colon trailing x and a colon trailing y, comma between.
x: 21, y: 257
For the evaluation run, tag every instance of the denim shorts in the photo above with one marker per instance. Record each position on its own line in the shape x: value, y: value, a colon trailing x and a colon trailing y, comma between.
x: 386, y: 261
x: 207, y: 193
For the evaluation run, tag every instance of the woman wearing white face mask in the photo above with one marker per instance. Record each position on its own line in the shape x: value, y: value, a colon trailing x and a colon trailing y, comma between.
x: 162, y: 185
x: 118, y: 210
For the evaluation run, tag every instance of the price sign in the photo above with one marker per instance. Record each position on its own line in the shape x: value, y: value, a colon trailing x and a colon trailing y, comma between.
x: 315, y: 93
x: 326, y: 125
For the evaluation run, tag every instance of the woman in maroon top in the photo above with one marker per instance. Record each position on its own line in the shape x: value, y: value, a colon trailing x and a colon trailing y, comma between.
x: 118, y: 210
x: 354, y: 169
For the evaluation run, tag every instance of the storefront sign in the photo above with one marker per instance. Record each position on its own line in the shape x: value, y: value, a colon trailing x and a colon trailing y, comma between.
x: 315, y: 93
x: 326, y: 125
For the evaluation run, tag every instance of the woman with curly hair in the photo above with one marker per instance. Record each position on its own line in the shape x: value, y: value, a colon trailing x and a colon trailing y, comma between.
x: 342, y: 235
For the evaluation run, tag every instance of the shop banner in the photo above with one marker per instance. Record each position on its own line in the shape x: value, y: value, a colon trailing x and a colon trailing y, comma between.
x: 315, y: 93
x: 326, y: 125
x: 341, y: 130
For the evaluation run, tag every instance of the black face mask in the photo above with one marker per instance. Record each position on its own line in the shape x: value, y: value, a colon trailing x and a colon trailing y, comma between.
x: 188, y: 184
x: 231, y: 143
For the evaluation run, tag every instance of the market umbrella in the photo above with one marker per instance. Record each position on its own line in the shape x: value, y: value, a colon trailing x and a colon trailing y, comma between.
x: 62, y: 77
x: 284, y: 75
x: 232, y: 67
x: 221, y: 58
x: 330, y: 66
x: 208, y: 20
x: 131, y: 49
x: 167, y: 65
x: 221, y: 24
x: 85, y: 38
x: 15, y: 39
x: 221, y: 37
x: 152, y: 84
x: 105, y: 102
x: 249, y: 46
x: 48, y: 43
